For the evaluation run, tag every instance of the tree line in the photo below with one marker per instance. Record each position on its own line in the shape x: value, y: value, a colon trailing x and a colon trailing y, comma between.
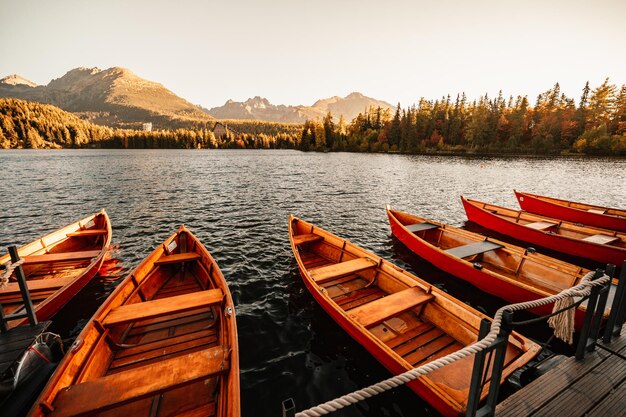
x: 31, y: 125
x: 556, y: 124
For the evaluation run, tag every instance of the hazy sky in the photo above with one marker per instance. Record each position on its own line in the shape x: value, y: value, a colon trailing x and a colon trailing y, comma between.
x: 295, y: 52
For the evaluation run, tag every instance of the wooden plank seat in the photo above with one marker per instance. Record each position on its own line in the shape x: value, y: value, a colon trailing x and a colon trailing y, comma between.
x: 596, y: 211
x: 177, y: 258
x: 87, y: 232
x: 60, y: 257
x: 540, y: 225
x: 37, y: 285
x: 325, y: 273
x: 384, y: 308
x: 471, y: 249
x: 418, y: 227
x: 306, y: 238
x: 97, y: 395
x: 163, y: 306
x: 601, y: 239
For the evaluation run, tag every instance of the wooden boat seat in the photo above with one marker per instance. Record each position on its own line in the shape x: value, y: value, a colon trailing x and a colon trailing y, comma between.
x: 306, y: 238
x: 540, y: 225
x: 87, y: 232
x: 60, y: 257
x: 596, y: 211
x: 97, y: 395
x: 472, y: 249
x: 177, y: 258
x: 601, y: 239
x: 37, y: 285
x: 156, y: 308
x: 384, y: 308
x: 325, y: 273
x: 418, y: 227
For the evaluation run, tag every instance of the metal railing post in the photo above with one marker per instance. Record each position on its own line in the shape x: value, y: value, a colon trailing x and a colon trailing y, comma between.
x: 489, y: 409
x: 289, y: 408
x: 594, y: 331
x: 21, y: 280
x: 477, y: 372
x: 618, y: 309
x: 591, y: 309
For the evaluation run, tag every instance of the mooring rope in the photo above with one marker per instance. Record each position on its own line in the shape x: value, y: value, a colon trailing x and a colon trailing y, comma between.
x: 10, y: 267
x: 581, y: 290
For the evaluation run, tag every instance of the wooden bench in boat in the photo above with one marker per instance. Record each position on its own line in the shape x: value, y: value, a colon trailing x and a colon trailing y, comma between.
x: 87, y: 232
x: 540, y: 225
x: 325, y: 273
x: 472, y: 249
x: 97, y: 395
x: 306, y: 238
x: 384, y: 308
x: 60, y: 257
x: 418, y: 227
x: 177, y: 258
x: 156, y: 308
x: 596, y: 211
x: 37, y: 285
x: 601, y: 239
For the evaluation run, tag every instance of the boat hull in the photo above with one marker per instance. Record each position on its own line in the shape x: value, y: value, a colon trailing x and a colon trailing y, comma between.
x: 533, y: 204
x: 600, y: 253
x: 483, y: 279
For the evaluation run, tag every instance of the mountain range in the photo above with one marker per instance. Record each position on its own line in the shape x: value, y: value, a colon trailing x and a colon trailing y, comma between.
x: 259, y: 108
x: 117, y: 97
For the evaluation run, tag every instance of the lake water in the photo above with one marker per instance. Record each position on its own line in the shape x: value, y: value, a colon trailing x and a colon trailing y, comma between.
x: 238, y: 203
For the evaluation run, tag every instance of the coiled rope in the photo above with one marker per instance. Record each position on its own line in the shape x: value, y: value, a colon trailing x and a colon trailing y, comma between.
x: 583, y: 289
x: 10, y: 267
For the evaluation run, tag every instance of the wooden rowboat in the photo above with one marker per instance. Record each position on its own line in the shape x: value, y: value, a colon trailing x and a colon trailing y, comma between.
x: 58, y: 265
x: 590, y: 215
x: 401, y: 320
x: 601, y: 245
x: 504, y: 270
x: 164, y: 343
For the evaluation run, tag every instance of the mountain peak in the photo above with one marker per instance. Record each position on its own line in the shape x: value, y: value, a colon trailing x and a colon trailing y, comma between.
x: 15, y: 79
x: 355, y: 95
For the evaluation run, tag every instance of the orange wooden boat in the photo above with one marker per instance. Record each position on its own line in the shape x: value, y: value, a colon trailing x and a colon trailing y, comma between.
x: 601, y: 245
x: 58, y: 265
x: 401, y: 320
x: 164, y: 343
x: 499, y: 268
x: 598, y: 216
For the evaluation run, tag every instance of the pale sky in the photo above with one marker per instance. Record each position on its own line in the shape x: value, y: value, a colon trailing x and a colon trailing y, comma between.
x: 295, y: 52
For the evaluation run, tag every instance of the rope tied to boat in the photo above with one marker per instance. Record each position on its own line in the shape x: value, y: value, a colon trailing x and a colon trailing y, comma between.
x: 583, y: 289
x: 563, y: 323
x: 9, y: 268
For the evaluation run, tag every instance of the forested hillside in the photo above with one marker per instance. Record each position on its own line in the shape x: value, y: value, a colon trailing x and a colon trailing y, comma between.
x: 596, y: 124
x: 26, y: 124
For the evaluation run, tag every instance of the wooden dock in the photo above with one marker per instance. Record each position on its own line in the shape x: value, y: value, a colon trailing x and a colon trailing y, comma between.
x: 14, y: 342
x: 594, y: 387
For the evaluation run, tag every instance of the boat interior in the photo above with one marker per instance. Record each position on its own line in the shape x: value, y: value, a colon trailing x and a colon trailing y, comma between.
x: 413, y: 320
x: 52, y: 262
x: 582, y: 206
x: 159, y: 347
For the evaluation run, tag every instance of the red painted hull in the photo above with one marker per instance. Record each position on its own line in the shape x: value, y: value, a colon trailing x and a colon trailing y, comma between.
x: 532, y: 204
x: 485, y: 280
x: 600, y: 253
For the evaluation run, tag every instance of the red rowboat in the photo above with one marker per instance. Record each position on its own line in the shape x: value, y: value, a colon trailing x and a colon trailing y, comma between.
x: 58, y: 265
x: 601, y: 245
x: 504, y: 270
x: 401, y: 320
x: 164, y: 343
x: 590, y: 215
